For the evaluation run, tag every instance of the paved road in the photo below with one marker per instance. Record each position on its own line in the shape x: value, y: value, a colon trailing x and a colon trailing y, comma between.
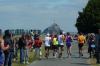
x: 65, y: 61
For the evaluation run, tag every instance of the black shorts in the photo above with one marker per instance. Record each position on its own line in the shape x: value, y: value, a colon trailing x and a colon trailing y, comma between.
x: 80, y: 45
x: 61, y: 46
x: 47, y: 47
x: 55, y: 46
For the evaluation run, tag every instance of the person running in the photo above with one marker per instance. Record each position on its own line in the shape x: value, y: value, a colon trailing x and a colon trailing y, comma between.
x: 91, y: 44
x: 81, y: 42
x: 47, y: 45
x: 60, y: 44
x: 2, y: 48
x: 55, y: 46
x: 68, y: 43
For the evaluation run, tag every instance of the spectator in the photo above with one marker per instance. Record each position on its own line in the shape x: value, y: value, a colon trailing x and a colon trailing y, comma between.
x: 8, y: 53
x: 2, y: 48
x: 22, y: 45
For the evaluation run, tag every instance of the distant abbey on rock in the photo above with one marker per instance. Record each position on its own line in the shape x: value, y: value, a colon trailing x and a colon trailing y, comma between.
x: 54, y: 28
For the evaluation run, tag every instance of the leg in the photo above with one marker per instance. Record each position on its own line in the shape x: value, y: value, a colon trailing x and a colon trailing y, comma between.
x: 22, y: 55
x: 10, y: 58
x: 46, y: 52
x: 59, y: 51
x: 26, y: 55
x: 16, y: 54
x: 80, y: 50
x: 70, y: 50
x: 6, y: 59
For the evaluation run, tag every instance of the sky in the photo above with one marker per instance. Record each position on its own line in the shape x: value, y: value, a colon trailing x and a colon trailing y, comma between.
x: 39, y: 14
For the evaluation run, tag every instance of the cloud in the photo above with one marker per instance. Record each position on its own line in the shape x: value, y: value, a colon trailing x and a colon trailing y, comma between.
x: 40, y: 13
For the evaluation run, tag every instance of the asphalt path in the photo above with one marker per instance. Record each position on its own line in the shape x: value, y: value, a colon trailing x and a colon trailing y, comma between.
x: 74, y: 60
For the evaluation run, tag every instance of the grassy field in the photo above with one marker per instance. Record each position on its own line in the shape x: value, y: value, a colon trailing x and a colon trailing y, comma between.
x: 31, y: 59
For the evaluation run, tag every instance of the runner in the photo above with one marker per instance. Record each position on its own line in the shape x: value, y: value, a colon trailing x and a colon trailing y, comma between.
x: 47, y: 45
x: 55, y: 46
x: 91, y: 44
x: 68, y: 44
x: 60, y: 44
x: 81, y: 42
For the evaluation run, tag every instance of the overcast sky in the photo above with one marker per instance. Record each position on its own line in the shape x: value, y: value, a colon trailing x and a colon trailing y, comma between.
x: 39, y: 14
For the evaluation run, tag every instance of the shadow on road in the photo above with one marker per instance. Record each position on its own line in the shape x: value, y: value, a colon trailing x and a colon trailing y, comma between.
x: 83, y: 64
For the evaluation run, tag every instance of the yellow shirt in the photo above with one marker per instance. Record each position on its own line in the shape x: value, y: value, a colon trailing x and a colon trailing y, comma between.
x: 81, y: 39
x: 55, y: 42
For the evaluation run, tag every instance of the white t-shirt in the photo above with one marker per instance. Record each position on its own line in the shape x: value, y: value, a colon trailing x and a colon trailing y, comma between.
x: 47, y: 41
x: 60, y: 40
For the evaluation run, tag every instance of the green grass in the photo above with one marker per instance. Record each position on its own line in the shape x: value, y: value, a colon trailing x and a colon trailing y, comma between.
x: 32, y: 56
x: 31, y: 59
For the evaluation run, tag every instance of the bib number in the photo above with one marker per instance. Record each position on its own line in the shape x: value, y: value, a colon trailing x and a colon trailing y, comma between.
x: 93, y: 46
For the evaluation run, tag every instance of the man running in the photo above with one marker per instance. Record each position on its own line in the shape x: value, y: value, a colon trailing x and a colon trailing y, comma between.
x: 60, y: 44
x: 47, y: 45
x: 81, y: 41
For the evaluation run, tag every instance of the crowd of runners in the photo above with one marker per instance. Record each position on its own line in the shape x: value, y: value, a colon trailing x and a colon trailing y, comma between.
x: 9, y: 46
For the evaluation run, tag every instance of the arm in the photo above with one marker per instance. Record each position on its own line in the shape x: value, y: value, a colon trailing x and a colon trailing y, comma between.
x: 2, y: 46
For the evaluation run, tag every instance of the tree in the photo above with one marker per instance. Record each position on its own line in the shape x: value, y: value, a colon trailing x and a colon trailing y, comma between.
x: 89, y: 19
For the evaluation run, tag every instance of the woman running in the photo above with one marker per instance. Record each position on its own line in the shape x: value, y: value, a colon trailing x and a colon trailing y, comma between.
x: 68, y: 43
x: 55, y: 46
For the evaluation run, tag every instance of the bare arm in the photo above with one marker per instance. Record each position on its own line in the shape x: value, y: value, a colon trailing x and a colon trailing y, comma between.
x: 2, y: 45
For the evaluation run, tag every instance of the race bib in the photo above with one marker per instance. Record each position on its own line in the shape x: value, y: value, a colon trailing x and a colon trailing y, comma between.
x: 93, y: 46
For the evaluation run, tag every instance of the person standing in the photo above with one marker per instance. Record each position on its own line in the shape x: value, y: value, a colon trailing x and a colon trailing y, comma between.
x: 8, y: 53
x: 98, y: 46
x: 2, y: 48
x: 22, y: 47
x: 29, y: 43
x: 37, y: 46
x: 16, y: 49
